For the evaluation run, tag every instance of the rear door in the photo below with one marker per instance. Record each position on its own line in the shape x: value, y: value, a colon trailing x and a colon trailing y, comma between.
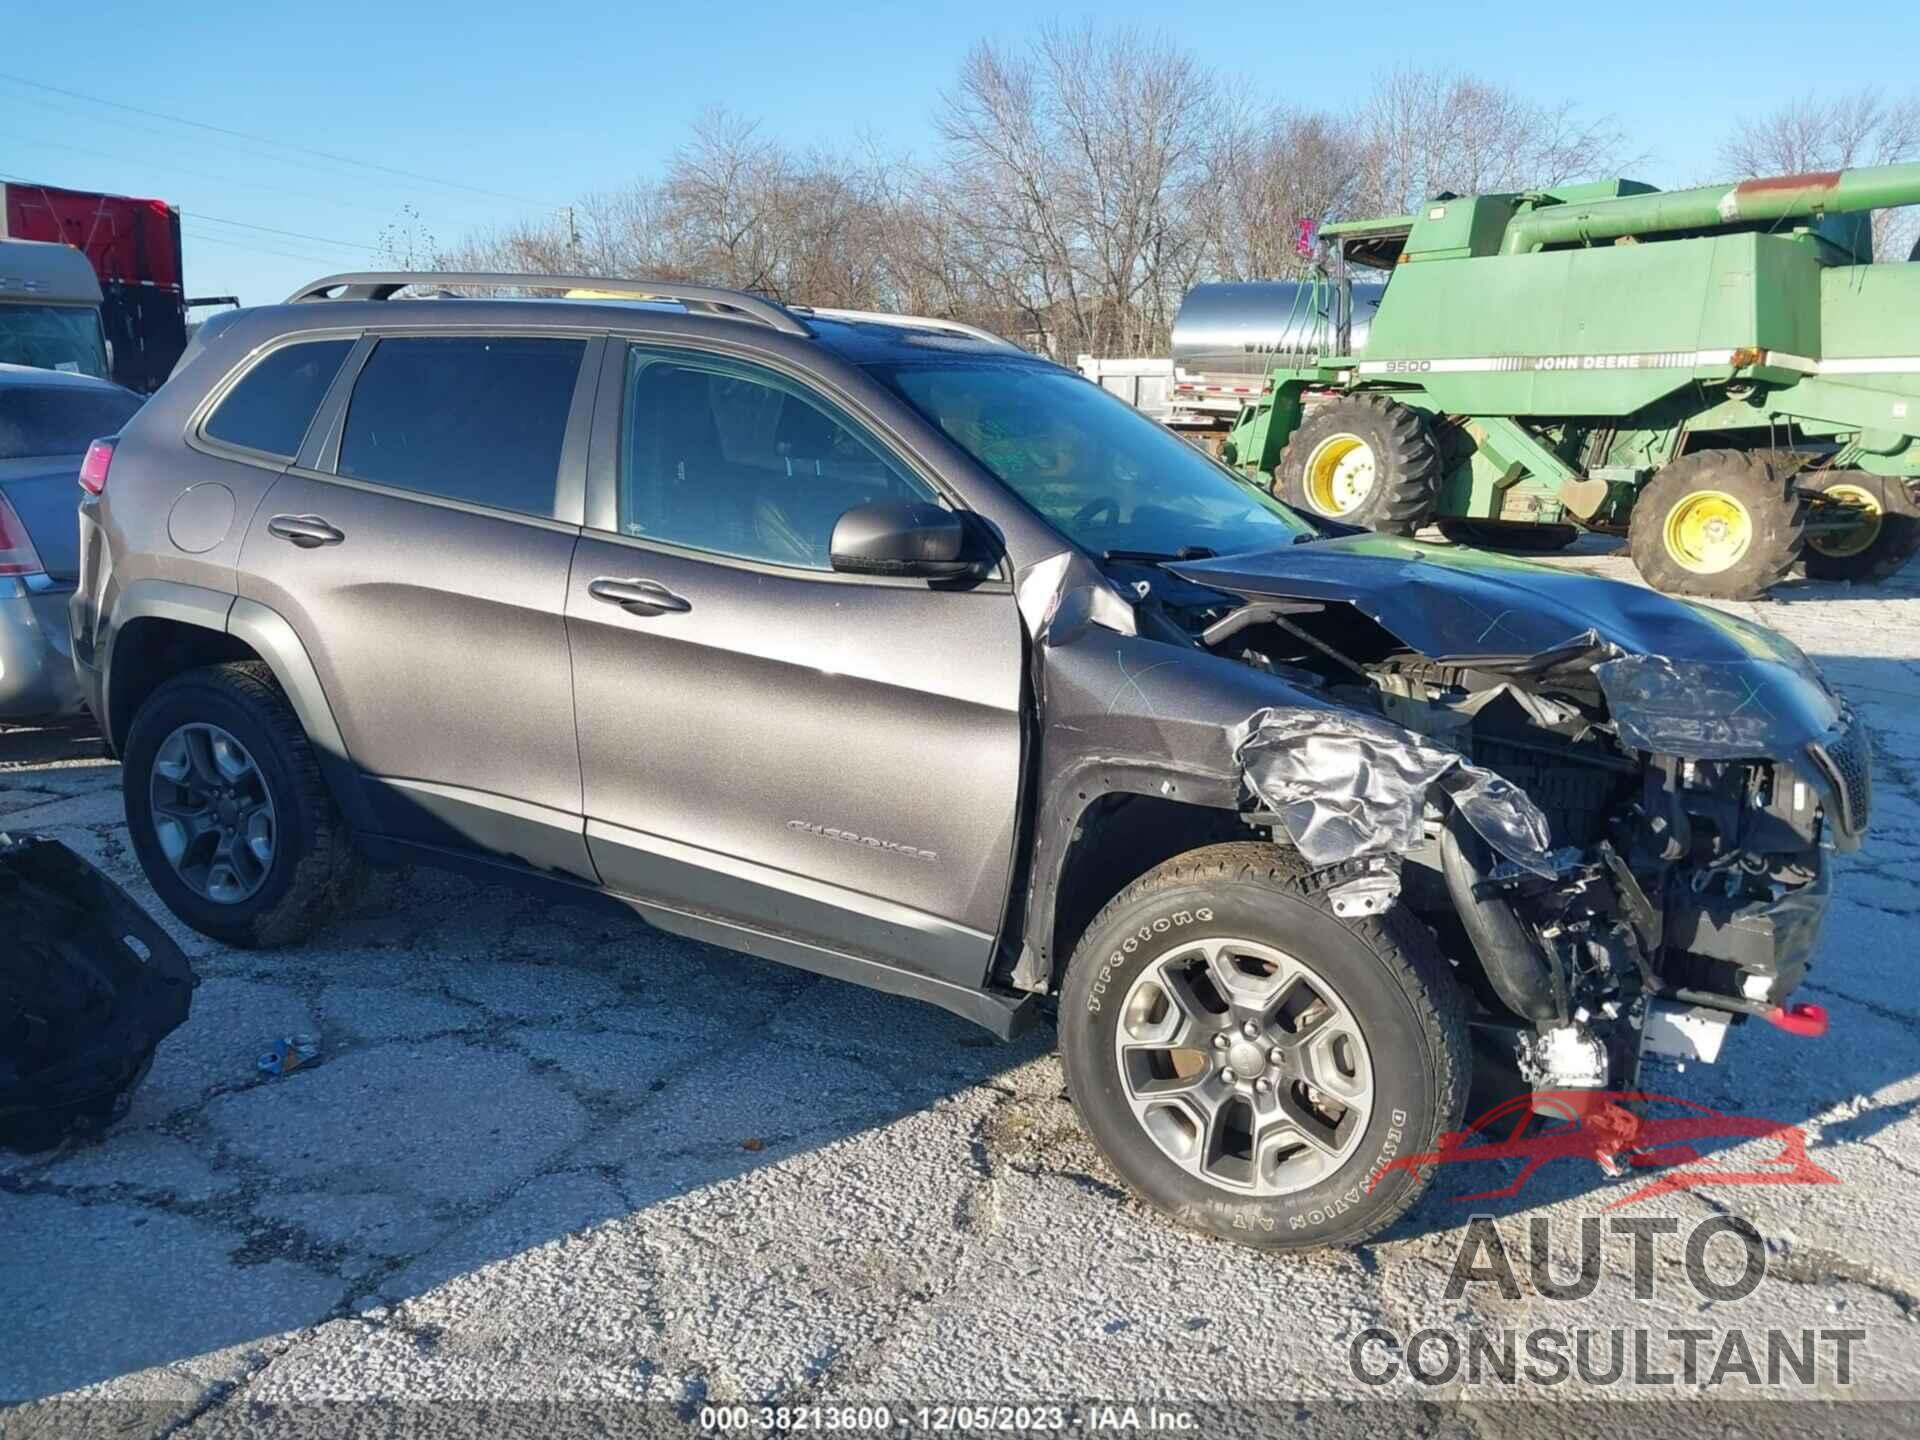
x: 421, y: 549
x: 822, y: 757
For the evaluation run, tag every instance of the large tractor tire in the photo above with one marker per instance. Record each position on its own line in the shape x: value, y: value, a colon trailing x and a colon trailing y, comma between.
x: 1724, y: 524
x: 1882, y: 542
x: 1525, y: 536
x: 1362, y: 460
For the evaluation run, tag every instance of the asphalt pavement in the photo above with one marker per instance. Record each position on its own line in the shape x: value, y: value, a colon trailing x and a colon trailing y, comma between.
x: 550, y: 1160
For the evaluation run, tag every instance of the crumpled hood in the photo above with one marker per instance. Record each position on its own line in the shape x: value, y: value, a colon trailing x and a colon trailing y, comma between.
x: 1453, y: 603
x: 1680, y: 678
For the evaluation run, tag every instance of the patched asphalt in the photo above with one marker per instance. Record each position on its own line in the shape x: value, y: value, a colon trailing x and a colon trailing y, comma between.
x: 548, y: 1157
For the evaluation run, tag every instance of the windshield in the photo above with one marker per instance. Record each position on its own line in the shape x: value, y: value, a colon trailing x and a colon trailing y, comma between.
x: 53, y: 419
x: 1102, y: 473
x: 53, y: 337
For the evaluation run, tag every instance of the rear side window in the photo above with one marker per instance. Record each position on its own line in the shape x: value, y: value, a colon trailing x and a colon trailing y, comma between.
x: 53, y: 420
x: 271, y: 407
x: 476, y: 418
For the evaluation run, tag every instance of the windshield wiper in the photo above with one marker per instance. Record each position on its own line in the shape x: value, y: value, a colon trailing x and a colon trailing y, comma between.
x: 1160, y: 557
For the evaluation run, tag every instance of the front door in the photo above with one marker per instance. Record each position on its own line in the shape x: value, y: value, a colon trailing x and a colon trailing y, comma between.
x: 826, y: 758
x: 422, y: 557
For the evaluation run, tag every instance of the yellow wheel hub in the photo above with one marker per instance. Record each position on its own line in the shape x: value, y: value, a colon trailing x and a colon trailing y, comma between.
x: 1866, y: 529
x: 1708, y: 531
x: 1340, y: 475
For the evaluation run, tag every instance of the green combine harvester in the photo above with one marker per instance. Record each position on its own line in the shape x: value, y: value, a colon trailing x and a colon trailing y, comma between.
x: 1722, y: 374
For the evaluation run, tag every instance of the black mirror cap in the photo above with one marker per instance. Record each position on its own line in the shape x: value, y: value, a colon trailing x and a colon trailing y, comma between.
x: 900, y: 537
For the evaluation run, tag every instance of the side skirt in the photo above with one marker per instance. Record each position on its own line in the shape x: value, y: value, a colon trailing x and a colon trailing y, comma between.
x: 1007, y: 1016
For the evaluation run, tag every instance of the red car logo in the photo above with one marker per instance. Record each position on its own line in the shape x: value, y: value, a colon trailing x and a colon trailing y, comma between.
x: 1595, y: 1125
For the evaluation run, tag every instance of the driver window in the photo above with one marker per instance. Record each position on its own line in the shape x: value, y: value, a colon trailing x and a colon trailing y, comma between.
x: 740, y: 462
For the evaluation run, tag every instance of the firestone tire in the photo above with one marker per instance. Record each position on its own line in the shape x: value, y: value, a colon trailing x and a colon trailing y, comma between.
x: 1725, y: 524
x: 1362, y: 460
x: 1892, y: 541
x: 314, y: 867
x: 1390, y: 982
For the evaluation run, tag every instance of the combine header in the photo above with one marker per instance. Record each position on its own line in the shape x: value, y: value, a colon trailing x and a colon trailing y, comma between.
x: 1723, y: 374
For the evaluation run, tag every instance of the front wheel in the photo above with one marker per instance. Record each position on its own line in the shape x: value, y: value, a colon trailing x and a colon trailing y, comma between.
x: 1362, y: 460
x: 1248, y: 1061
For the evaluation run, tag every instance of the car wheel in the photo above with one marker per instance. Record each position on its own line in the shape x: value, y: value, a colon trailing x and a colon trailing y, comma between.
x: 1719, y: 523
x: 1883, y: 536
x: 228, y: 811
x: 1362, y: 460
x: 1248, y: 1060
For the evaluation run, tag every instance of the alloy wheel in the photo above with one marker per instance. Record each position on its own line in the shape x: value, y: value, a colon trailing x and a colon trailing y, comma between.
x: 1244, y: 1066
x: 212, y: 813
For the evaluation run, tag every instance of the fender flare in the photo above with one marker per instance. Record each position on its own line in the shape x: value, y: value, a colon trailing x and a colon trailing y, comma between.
x: 1070, y: 794
x: 269, y: 635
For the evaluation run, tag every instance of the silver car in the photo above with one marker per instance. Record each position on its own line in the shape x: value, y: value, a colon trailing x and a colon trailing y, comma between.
x: 47, y: 419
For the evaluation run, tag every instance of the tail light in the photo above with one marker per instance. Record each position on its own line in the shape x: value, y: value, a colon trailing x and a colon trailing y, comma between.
x: 17, y: 555
x: 93, y: 469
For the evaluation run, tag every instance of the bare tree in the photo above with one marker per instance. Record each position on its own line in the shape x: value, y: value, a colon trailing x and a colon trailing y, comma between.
x: 1426, y: 132
x: 1085, y: 182
x: 1820, y: 133
x: 1075, y: 165
x: 1268, y: 172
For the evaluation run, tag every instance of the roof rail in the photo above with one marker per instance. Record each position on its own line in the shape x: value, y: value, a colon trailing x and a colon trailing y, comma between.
x: 708, y: 299
x: 884, y: 318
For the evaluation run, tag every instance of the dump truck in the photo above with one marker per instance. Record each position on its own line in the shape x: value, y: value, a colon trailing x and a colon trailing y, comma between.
x: 1722, y: 374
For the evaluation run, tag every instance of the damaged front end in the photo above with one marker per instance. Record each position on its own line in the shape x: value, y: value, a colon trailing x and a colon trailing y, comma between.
x: 1615, y: 808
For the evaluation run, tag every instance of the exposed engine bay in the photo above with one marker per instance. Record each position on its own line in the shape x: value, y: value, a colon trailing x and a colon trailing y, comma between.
x: 1623, y: 849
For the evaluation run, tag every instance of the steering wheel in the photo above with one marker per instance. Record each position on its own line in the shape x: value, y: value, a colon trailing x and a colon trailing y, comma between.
x: 1104, y: 505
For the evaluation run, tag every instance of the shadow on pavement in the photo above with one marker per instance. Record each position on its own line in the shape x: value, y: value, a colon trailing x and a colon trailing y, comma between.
x: 500, y: 1074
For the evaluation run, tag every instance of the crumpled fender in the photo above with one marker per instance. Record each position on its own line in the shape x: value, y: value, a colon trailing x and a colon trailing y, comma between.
x: 1122, y: 713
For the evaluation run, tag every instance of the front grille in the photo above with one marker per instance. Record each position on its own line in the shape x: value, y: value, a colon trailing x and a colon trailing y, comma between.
x: 1847, y: 759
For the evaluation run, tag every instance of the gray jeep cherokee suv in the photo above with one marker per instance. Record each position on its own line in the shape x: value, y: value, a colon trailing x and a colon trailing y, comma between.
x: 876, y: 646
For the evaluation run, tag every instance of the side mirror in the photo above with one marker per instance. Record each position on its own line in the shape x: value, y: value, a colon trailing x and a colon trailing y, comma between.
x: 900, y: 537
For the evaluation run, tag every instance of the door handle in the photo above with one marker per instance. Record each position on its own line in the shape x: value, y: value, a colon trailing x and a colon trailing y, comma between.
x: 638, y: 597
x: 309, y: 532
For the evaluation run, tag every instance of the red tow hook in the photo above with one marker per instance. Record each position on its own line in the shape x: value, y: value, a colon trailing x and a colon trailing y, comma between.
x: 1799, y: 1018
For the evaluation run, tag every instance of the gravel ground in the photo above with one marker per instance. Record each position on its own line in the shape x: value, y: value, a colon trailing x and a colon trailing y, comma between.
x: 546, y: 1157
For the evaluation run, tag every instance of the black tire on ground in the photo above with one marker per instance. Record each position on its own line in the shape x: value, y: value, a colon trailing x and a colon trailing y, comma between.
x: 1893, y: 542
x: 314, y: 868
x: 1766, y: 544
x: 1388, y: 973
x: 1406, y: 463
x: 1522, y: 535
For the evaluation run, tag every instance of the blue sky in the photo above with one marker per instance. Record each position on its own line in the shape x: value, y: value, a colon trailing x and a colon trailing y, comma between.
x: 528, y: 106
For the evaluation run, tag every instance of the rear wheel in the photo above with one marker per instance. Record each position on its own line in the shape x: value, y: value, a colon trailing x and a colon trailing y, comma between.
x: 1248, y: 1061
x: 1363, y: 460
x: 1522, y: 535
x: 1720, y: 523
x: 228, y: 812
x: 1883, y: 536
